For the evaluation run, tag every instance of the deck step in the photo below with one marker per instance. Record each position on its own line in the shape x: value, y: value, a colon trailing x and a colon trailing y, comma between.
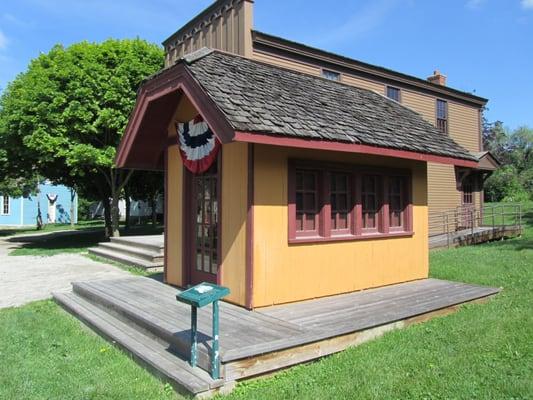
x: 151, y: 243
x: 133, y: 251
x: 149, y: 352
x: 160, y: 330
x: 126, y: 259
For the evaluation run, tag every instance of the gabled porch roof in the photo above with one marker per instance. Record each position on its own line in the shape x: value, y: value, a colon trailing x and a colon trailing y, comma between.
x: 249, y: 101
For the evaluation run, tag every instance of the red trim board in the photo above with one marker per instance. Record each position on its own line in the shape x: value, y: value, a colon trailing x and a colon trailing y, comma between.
x: 248, y: 137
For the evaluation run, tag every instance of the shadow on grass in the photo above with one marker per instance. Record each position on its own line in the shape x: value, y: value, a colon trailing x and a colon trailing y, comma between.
x: 72, y: 241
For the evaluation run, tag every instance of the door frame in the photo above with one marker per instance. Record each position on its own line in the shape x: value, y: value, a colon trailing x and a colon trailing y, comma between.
x: 189, y: 226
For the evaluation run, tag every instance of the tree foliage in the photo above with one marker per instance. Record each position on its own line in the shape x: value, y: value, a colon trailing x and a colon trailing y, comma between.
x: 64, y: 117
x: 514, y: 149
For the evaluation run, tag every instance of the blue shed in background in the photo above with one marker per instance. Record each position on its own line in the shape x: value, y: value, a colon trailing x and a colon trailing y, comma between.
x: 54, y: 201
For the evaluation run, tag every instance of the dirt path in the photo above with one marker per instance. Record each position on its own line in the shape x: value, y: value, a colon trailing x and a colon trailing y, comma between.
x: 29, y: 278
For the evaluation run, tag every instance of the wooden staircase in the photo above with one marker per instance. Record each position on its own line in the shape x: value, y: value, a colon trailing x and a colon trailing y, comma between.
x: 146, y: 252
x: 152, y: 344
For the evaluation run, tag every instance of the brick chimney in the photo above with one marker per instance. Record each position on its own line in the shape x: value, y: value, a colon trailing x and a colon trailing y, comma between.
x: 437, y: 78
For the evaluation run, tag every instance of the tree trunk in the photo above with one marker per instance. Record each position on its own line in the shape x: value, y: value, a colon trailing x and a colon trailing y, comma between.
x: 117, y: 180
x: 153, y: 205
x: 115, y: 215
x: 72, y: 198
x: 128, y: 207
x: 107, y: 217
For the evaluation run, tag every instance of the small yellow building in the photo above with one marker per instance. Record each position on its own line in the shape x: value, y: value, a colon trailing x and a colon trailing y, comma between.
x: 285, y: 186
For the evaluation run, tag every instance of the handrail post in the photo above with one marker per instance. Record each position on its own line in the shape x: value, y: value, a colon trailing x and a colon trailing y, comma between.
x: 472, y: 223
x: 447, y: 227
x: 503, y: 216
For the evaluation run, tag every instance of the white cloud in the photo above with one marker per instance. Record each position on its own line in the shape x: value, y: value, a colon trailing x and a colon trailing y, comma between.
x: 3, y: 41
x: 474, y: 4
x: 527, y: 4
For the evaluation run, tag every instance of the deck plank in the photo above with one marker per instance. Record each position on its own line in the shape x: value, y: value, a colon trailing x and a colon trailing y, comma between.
x: 247, y: 334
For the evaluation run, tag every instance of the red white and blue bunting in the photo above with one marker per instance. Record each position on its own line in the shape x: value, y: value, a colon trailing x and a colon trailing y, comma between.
x: 198, y: 145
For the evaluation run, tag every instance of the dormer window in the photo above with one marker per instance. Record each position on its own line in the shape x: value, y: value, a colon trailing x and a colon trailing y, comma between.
x: 331, y: 75
x: 393, y: 93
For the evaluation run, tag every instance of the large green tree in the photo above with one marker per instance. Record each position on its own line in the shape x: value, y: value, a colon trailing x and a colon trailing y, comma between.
x: 514, y: 149
x: 64, y: 117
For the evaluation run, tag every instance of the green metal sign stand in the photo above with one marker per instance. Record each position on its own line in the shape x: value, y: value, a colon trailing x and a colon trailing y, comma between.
x: 197, y: 297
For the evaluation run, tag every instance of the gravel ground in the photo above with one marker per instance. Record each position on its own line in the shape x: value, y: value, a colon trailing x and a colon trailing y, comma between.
x: 29, y: 278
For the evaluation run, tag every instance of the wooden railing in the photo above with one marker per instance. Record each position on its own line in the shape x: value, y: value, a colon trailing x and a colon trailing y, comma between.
x: 470, y: 218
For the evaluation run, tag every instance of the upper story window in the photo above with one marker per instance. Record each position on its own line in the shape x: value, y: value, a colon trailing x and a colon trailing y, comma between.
x: 331, y: 75
x: 393, y: 93
x: 5, y: 205
x: 442, y: 116
x: 343, y: 202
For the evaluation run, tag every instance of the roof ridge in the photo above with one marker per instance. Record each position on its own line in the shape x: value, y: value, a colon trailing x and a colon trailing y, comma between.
x: 196, y: 55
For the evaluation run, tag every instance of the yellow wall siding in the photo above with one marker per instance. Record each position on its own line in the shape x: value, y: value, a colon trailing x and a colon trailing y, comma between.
x: 233, y: 218
x: 174, y: 228
x: 286, y: 273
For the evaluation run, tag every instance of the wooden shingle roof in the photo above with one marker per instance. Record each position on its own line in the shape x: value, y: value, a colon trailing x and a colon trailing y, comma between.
x: 259, y: 98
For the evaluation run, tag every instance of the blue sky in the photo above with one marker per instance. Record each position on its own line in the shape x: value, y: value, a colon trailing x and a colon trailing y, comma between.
x: 483, y: 46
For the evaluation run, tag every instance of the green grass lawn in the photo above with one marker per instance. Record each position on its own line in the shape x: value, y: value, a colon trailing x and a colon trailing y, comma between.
x: 484, y: 351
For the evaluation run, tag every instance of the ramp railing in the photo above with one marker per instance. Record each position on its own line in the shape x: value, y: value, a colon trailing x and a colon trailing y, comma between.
x: 499, y: 216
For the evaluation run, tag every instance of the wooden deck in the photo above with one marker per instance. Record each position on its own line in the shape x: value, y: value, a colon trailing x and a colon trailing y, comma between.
x: 142, y: 316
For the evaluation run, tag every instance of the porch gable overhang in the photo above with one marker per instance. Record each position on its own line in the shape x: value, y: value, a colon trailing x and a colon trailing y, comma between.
x: 487, y: 162
x: 146, y: 137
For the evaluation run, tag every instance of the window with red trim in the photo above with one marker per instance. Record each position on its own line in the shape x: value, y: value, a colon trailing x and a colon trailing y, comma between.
x: 343, y: 202
x: 340, y: 201
x: 468, y: 190
x: 397, y: 204
x: 307, y: 202
x: 370, y: 201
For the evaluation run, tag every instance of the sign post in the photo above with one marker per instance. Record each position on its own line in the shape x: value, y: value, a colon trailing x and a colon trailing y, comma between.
x: 197, y: 297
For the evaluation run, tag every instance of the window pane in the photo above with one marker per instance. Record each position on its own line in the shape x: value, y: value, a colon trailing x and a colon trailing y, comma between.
x: 393, y: 93
x: 309, y: 181
x: 299, y: 201
x: 395, y: 219
x: 369, y: 220
x: 299, y: 222
x: 309, y: 202
x: 342, y: 182
x: 442, y: 109
x: 343, y: 221
x: 309, y: 222
x: 396, y: 201
x: 331, y: 75
x: 306, y: 200
x: 299, y: 181
x: 370, y: 201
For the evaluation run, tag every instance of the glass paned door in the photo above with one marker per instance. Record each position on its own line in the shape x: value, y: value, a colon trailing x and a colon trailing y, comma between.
x: 205, y: 210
